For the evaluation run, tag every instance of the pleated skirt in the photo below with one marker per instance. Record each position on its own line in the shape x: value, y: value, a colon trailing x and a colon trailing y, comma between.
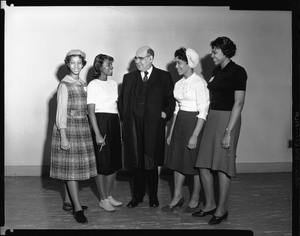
x: 180, y: 158
x: 211, y: 155
x: 109, y: 159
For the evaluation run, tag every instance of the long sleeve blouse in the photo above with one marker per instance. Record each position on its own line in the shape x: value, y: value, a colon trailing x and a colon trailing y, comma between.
x: 62, y: 101
x: 191, y: 94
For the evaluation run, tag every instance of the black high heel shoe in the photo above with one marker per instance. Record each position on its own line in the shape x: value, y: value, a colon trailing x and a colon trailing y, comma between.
x: 218, y: 219
x: 204, y: 213
x: 172, y: 208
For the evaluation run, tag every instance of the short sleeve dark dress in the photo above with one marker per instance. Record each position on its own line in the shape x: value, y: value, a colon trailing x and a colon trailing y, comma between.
x: 222, y: 87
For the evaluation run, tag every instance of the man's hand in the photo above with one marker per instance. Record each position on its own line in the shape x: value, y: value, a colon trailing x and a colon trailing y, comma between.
x: 163, y: 115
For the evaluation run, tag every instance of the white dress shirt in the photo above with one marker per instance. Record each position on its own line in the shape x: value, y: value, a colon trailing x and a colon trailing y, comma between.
x: 149, y: 72
x: 191, y: 94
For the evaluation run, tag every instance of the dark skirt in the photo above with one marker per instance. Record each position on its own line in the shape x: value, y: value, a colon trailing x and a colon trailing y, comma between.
x: 109, y: 159
x: 180, y: 158
x: 211, y: 154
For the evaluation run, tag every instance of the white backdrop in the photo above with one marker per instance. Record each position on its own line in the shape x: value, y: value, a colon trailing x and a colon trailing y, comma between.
x: 37, y: 39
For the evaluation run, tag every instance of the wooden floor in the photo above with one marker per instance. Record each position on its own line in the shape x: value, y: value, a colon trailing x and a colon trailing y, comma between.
x: 261, y: 203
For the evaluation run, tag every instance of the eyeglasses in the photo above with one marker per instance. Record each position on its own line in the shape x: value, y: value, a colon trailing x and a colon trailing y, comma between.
x: 140, y: 58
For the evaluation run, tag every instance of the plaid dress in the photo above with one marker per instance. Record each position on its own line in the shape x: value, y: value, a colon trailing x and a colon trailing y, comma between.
x: 77, y: 163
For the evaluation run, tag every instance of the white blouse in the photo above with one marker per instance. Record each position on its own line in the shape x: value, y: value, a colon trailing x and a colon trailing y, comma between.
x: 104, y: 94
x: 191, y: 94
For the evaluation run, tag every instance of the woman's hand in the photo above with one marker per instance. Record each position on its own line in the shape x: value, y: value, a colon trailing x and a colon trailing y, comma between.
x: 100, y: 140
x: 226, y: 140
x: 192, y: 142
x: 64, y: 144
x: 169, y: 139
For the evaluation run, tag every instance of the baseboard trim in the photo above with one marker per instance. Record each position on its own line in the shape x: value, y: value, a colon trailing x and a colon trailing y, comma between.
x: 37, y: 170
x: 264, y: 167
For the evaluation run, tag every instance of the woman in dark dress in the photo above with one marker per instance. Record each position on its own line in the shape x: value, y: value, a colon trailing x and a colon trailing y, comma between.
x: 217, y: 151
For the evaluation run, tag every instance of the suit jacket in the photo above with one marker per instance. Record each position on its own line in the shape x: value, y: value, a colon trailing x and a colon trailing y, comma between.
x: 159, y: 97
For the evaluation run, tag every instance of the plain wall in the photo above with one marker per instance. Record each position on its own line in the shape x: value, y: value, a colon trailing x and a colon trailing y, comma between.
x: 37, y: 40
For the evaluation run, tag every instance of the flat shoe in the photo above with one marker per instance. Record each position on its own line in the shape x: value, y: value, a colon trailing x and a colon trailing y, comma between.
x: 204, y: 213
x: 80, y: 217
x: 68, y: 207
x: 114, y: 202
x: 218, y: 219
x: 105, y: 204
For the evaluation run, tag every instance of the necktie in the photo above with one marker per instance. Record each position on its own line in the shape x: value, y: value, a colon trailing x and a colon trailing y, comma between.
x: 145, y: 77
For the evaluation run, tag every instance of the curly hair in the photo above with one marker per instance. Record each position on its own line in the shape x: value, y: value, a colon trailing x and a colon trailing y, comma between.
x: 68, y: 59
x: 181, y: 54
x: 227, y: 47
x: 98, y: 62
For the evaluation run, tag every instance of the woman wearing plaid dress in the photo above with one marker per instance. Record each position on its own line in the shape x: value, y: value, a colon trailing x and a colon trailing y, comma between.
x: 72, y: 152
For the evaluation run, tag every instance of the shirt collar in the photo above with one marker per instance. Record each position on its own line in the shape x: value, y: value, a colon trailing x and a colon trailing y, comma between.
x: 70, y: 79
x: 191, y: 76
x: 149, y: 72
x: 229, y: 64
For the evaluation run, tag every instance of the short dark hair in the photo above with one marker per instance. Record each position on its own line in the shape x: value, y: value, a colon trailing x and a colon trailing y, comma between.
x: 181, y: 54
x: 227, y: 47
x: 68, y: 59
x: 98, y: 62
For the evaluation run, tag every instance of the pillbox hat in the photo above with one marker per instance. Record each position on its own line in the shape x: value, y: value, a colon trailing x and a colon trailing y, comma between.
x: 76, y: 52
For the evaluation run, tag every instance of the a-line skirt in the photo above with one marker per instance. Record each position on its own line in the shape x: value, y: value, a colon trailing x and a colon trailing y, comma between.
x: 211, y: 155
x: 180, y: 158
x: 77, y: 163
x: 109, y: 158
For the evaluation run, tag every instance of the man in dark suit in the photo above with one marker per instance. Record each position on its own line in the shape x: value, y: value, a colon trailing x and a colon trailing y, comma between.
x: 145, y: 104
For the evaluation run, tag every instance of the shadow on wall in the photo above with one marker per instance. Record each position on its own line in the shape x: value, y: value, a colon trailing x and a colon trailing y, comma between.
x: 175, y: 77
x: 131, y: 67
x: 173, y: 71
x: 61, y: 72
x: 89, y: 76
x: 207, y: 65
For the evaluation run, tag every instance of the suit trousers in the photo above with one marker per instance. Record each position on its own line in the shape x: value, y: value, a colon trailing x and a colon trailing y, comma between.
x: 142, y: 177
